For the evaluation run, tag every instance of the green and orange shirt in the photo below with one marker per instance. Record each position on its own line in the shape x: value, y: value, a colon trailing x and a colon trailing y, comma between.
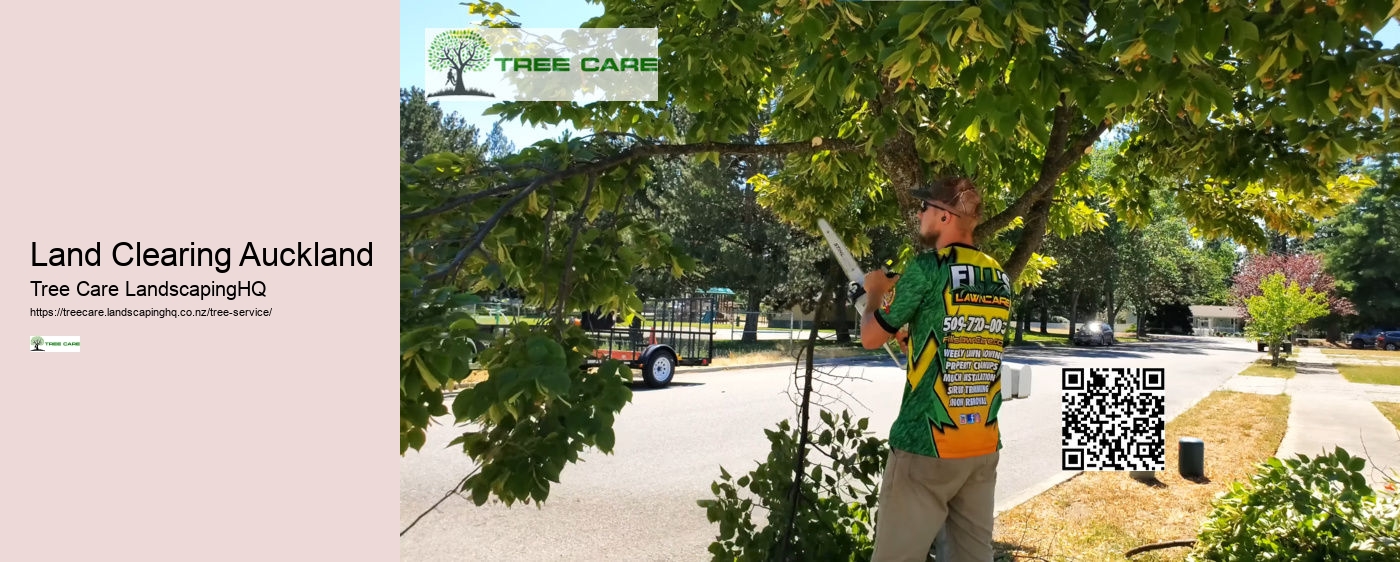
x: 957, y: 303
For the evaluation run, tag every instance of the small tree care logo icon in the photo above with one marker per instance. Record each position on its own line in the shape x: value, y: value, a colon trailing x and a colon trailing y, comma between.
x: 458, y: 51
x: 51, y: 344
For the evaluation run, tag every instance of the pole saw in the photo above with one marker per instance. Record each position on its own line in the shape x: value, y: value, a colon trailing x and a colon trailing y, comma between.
x: 853, y: 273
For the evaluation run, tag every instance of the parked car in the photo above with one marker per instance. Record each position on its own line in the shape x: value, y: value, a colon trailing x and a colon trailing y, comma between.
x: 1093, y: 333
x: 1389, y: 341
x: 1363, y: 340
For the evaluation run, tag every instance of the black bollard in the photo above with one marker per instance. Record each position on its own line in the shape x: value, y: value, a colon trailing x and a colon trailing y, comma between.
x: 1191, y: 457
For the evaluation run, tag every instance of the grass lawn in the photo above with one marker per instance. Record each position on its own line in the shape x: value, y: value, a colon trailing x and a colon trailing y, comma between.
x: 1391, y: 411
x: 1261, y: 368
x: 1370, y: 374
x: 1380, y: 355
x: 1039, y: 338
x: 729, y: 354
x: 1101, y: 515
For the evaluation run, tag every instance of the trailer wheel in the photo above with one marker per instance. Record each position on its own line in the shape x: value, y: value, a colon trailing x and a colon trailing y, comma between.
x: 659, y: 369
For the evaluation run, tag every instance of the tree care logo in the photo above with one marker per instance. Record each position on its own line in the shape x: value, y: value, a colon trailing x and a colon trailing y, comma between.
x: 63, y: 344
x: 457, y: 51
x: 515, y: 64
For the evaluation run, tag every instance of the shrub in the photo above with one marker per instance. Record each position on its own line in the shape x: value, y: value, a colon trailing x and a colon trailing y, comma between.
x: 1317, y: 508
x: 839, y: 492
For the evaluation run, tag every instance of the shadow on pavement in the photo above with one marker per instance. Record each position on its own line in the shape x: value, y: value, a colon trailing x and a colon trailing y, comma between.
x: 638, y: 385
x: 1181, y: 345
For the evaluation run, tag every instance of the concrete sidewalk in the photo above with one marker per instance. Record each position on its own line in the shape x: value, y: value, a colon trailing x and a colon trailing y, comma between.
x: 1327, y: 412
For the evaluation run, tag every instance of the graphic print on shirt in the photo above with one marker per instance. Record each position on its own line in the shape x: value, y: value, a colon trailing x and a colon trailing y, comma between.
x: 957, y: 330
x: 977, y: 302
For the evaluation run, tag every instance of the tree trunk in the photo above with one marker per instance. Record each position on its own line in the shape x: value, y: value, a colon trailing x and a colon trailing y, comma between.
x: 751, y: 322
x: 461, y: 84
x: 1044, y: 318
x: 1273, y: 350
x: 1023, y: 317
x: 1073, y: 312
x: 840, y: 317
x: 1112, y: 312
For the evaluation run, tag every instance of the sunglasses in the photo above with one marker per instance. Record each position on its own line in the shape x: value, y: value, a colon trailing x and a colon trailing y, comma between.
x: 936, y: 205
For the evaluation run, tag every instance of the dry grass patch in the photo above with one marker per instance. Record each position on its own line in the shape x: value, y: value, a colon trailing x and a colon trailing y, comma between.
x: 1101, y: 515
x: 1261, y: 368
x: 1373, y: 354
x: 1370, y: 374
x: 1391, y: 411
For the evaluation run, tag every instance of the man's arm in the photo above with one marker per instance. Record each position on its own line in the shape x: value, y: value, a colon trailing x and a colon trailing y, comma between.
x: 872, y: 333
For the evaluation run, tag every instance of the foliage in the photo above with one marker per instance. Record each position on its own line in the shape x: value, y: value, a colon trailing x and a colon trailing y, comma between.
x: 1361, y: 247
x: 424, y: 129
x: 1251, y: 104
x: 1243, y: 102
x: 1279, y: 308
x: 458, y: 49
x: 1318, y: 508
x: 713, y: 212
x: 535, y: 412
x: 538, y: 408
x: 1162, y: 264
x: 498, y: 145
x: 836, y: 522
x: 1305, y: 270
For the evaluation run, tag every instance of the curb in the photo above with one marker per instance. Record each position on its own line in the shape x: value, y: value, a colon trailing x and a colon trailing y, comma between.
x: 1033, y: 491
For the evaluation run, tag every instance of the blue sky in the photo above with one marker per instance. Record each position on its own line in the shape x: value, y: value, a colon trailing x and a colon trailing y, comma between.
x: 415, y: 16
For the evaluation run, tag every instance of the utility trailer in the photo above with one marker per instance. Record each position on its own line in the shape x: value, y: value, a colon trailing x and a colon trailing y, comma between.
x: 667, y: 334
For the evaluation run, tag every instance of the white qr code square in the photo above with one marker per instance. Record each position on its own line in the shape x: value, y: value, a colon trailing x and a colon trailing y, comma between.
x: 1113, y: 419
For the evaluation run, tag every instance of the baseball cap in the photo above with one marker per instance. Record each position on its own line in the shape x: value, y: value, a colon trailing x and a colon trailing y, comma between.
x: 954, y: 194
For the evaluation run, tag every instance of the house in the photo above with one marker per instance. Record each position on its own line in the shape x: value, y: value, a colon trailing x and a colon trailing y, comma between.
x: 1217, y: 320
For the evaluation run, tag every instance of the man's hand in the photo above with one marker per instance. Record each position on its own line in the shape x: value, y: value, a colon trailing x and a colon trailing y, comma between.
x: 903, y: 338
x: 877, y: 283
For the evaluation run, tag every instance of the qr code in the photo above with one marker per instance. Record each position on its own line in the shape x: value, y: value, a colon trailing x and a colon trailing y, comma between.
x: 1113, y: 419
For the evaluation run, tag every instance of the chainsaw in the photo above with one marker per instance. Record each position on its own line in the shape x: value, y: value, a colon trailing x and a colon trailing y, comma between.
x: 854, y: 273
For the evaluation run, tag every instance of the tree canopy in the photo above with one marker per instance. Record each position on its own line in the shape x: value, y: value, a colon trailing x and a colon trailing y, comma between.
x: 1361, y: 246
x: 1238, y: 112
x: 1249, y: 104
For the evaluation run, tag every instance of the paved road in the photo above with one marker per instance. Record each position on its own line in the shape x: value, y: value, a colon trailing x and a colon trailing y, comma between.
x: 639, y: 504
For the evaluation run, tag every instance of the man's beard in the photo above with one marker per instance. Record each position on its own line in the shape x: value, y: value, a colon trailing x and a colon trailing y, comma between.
x: 929, y: 240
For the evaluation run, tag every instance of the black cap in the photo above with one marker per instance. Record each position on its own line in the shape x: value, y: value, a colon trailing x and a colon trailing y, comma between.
x: 955, y: 194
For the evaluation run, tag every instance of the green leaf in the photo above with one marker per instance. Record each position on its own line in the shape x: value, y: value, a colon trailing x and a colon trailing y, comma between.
x: 416, y: 438
x: 606, y: 439
x: 1121, y: 92
x: 427, y: 375
x: 554, y: 382
x: 1243, y: 33
x: 973, y: 131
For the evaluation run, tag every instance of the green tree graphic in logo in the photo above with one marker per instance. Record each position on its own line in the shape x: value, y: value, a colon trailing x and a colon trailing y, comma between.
x: 36, y: 341
x: 457, y: 51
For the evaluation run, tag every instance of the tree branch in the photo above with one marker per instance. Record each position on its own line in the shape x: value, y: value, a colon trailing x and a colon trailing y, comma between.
x: 566, y: 279
x: 799, y: 468
x: 481, y: 233
x: 450, y: 493
x: 459, y: 202
x: 1160, y: 546
x: 1059, y: 135
x: 646, y: 151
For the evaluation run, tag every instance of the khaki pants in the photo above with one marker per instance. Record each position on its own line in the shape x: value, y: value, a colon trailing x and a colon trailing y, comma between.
x: 919, y: 494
